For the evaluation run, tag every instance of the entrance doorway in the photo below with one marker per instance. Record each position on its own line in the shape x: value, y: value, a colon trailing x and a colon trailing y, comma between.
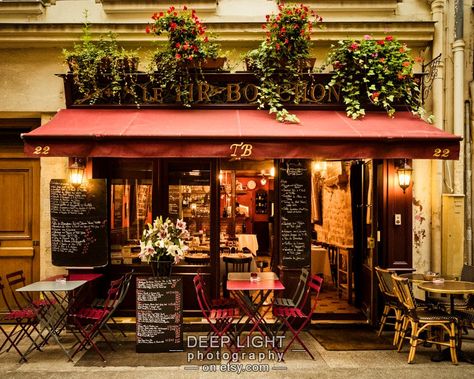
x: 19, y: 223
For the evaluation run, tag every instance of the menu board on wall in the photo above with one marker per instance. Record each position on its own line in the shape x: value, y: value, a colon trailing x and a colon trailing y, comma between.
x: 79, y: 223
x: 295, y: 212
x: 159, y: 315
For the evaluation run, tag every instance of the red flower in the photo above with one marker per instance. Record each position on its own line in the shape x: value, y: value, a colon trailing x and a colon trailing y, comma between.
x: 381, y: 42
x: 173, y: 25
x: 286, y: 41
x: 267, y: 17
x: 155, y: 16
x: 178, y: 45
x: 190, y: 58
x: 402, y: 50
x: 277, y: 46
x: 406, y: 64
x: 382, y: 60
x: 354, y: 46
x: 418, y: 59
x: 148, y: 30
x: 206, y: 39
x: 283, y: 30
x: 161, y: 14
x: 178, y: 56
x: 185, y: 8
x: 375, y: 95
x: 400, y: 76
x: 389, y: 38
x: 264, y: 26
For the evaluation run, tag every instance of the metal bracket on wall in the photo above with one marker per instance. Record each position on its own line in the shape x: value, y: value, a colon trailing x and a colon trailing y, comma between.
x: 430, y: 71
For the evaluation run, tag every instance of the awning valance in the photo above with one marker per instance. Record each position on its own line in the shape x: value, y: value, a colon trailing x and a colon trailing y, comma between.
x: 237, y: 134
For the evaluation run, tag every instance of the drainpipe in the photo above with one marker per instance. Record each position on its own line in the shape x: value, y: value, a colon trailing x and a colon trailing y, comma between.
x: 468, y: 175
x: 437, y: 10
x: 458, y: 92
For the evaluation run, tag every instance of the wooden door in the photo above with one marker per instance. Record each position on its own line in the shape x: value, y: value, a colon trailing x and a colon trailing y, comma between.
x: 19, y: 218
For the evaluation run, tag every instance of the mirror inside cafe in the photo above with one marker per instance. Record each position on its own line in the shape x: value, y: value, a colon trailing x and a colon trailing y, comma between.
x: 244, y: 201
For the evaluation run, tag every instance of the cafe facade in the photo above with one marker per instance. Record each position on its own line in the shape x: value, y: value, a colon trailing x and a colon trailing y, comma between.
x: 229, y: 169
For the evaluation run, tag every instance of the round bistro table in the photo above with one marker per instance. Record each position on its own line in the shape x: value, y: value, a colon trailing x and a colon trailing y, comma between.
x: 450, y: 288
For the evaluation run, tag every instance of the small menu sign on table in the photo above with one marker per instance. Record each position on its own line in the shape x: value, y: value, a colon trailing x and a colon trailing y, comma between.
x: 159, y: 315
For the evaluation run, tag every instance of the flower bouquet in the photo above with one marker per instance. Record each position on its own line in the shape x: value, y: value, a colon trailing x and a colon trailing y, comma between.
x: 163, y: 241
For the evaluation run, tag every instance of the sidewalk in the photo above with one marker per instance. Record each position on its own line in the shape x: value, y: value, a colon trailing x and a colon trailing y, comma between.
x: 52, y: 363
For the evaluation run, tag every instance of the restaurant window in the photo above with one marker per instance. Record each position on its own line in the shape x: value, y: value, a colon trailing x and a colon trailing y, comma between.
x: 189, y: 199
x: 130, y: 208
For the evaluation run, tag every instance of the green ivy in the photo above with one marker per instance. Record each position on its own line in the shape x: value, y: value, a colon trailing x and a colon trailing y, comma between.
x: 380, y: 71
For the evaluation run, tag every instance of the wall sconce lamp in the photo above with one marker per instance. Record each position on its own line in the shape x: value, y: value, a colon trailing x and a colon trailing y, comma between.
x: 76, y: 171
x: 404, y: 172
x: 263, y: 181
x: 320, y: 167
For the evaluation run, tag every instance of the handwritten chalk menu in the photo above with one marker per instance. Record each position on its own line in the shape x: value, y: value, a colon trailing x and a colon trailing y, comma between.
x: 295, y: 212
x: 79, y: 223
x: 159, y: 315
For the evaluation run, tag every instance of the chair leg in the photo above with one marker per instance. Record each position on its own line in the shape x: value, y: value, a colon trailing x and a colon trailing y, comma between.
x: 398, y: 325
x: 452, y: 343
x: 403, y: 332
x: 386, y: 309
x: 413, y: 341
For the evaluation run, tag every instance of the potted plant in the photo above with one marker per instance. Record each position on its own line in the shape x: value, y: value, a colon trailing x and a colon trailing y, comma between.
x: 283, y: 56
x: 162, y: 245
x: 376, y: 70
x: 100, y: 68
x: 188, y: 51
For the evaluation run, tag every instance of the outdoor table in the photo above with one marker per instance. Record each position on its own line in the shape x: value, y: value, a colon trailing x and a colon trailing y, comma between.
x: 449, y: 288
x: 61, y: 294
x: 240, y: 284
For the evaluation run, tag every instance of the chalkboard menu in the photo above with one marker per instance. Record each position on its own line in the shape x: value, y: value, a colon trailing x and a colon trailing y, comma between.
x: 159, y: 315
x: 79, y: 223
x: 295, y: 213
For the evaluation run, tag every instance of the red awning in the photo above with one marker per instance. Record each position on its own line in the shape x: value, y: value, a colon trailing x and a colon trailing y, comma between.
x: 237, y: 133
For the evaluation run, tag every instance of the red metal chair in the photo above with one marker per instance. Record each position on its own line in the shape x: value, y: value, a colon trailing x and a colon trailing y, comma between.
x: 294, y: 318
x: 219, y: 319
x: 90, y: 320
x: 17, y: 280
x: 25, y: 323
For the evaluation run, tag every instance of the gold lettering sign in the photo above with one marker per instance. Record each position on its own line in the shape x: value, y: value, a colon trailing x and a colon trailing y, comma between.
x: 240, y: 150
x: 41, y: 150
x: 441, y: 153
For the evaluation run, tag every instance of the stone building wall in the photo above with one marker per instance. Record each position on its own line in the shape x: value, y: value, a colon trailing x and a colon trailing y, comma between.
x: 336, y: 227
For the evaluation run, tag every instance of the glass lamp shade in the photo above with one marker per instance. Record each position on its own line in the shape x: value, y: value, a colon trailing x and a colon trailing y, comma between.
x: 404, y: 176
x: 76, y: 173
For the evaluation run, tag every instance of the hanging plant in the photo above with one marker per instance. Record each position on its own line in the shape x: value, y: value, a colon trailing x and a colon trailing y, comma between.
x: 102, y: 68
x: 282, y: 57
x: 376, y: 70
x: 188, y: 50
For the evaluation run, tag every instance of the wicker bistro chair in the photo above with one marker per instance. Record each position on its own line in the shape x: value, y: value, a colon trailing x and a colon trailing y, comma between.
x: 420, y: 320
x: 391, y: 302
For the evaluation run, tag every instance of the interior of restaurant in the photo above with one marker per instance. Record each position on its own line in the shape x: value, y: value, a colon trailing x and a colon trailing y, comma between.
x: 246, y: 206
